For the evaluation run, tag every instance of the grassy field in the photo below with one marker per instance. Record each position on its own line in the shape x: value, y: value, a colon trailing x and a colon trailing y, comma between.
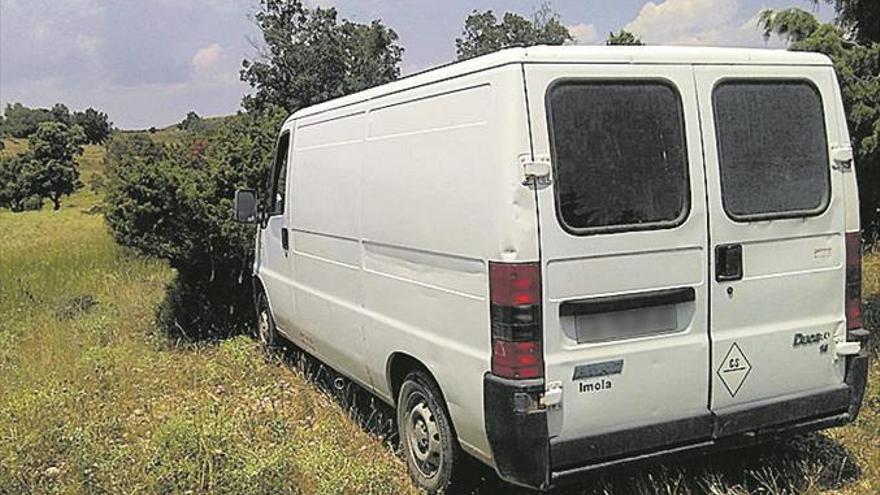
x: 93, y: 399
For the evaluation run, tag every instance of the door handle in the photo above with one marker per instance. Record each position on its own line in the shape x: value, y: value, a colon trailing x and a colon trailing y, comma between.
x: 728, y: 262
x: 285, y: 239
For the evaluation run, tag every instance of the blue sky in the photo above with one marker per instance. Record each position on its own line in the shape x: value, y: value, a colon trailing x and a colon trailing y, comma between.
x: 148, y: 62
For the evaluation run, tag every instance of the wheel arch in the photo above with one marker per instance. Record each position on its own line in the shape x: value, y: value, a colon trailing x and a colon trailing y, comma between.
x: 257, y: 288
x: 400, y: 364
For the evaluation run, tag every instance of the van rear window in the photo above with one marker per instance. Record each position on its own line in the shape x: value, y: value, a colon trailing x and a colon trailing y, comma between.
x: 619, y: 155
x: 772, y: 149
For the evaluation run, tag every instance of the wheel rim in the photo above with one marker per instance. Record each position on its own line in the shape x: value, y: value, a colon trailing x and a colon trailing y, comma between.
x: 263, y: 327
x: 423, y: 437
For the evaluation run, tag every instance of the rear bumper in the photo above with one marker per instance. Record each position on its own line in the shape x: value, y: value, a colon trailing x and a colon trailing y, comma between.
x: 525, y: 455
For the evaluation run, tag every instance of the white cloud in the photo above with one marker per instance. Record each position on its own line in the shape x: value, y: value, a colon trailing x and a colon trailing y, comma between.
x: 206, y: 58
x: 584, y: 34
x: 697, y: 22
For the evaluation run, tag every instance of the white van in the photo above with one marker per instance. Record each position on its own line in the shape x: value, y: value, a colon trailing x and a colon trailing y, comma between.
x: 560, y: 259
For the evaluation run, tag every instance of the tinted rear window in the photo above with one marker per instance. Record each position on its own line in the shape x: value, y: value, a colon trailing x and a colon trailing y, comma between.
x: 619, y: 155
x: 772, y: 148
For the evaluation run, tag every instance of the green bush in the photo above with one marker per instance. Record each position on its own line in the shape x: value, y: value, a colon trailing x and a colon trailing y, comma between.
x: 176, y: 202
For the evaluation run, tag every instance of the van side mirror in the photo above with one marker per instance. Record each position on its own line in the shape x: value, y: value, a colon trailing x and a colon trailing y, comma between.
x: 245, y: 206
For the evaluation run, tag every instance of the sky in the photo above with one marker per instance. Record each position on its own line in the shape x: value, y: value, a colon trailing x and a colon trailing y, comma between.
x: 148, y: 62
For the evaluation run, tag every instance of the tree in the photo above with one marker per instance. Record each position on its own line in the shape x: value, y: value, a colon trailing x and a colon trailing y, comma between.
x: 192, y: 122
x: 47, y: 170
x: 858, y: 71
x: 623, y: 37
x: 51, y: 168
x: 21, y: 121
x: 483, y: 33
x: 13, y: 189
x: 95, y: 125
x: 60, y: 113
x: 309, y: 56
x: 859, y: 19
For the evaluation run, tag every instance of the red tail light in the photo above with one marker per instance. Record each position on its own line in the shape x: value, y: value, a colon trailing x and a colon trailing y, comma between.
x: 515, y: 311
x: 515, y: 284
x: 853, y: 281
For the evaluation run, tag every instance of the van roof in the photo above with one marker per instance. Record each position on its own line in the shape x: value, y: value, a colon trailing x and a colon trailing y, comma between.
x: 578, y: 54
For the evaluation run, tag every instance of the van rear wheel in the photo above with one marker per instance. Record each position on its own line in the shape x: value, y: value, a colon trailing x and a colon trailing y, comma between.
x: 266, y: 332
x: 426, y: 437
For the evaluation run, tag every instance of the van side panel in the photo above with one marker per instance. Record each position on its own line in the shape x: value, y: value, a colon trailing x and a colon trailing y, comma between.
x: 325, y: 238
x: 438, y: 198
x: 398, y: 203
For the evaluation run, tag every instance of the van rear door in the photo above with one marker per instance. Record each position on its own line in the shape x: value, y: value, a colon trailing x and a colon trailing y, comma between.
x: 776, y: 217
x: 624, y: 258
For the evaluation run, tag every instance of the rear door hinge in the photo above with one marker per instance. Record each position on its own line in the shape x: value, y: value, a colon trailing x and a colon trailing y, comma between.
x: 842, y: 157
x: 552, y: 395
x: 536, y: 172
x: 848, y: 348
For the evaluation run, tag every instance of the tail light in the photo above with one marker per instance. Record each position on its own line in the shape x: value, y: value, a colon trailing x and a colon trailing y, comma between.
x: 515, y: 312
x: 853, y: 281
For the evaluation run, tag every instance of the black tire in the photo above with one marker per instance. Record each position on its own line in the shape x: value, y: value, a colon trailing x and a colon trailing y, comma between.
x: 428, y: 442
x: 265, y: 331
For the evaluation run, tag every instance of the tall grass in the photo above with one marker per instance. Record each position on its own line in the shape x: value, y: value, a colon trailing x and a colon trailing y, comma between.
x: 92, y: 400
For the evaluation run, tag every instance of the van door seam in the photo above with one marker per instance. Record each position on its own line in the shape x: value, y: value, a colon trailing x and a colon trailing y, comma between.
x: 708, y: 250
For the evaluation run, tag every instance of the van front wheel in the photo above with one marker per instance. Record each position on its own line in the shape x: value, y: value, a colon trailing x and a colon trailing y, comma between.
x: 426, y: 436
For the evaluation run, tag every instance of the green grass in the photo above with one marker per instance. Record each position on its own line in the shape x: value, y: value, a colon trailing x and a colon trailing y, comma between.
x: 93, y: 399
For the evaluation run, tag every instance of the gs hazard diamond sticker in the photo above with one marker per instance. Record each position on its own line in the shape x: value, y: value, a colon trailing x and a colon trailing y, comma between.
x: 734, y: 369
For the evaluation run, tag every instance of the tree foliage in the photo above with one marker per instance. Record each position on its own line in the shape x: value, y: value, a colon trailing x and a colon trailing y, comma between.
x: 13, y: 186
x: 623, y: 37
x: 858, y: 71
x: 192, y: 122
x: 309, y: 55
x: 20, y: 121
x: 174, y: 201
x: 95, y: 125
x: 859, y: 19
x: 47, y: 170
x: 483, y: 33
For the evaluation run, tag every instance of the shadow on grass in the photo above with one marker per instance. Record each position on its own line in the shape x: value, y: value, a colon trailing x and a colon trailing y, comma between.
x: 794, y: 465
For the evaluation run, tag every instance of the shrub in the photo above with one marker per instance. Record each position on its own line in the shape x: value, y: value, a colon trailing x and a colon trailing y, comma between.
x: 175, y: 202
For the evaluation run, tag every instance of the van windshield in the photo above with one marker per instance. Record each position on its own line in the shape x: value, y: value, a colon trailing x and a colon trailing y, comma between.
x: 619, y: 155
